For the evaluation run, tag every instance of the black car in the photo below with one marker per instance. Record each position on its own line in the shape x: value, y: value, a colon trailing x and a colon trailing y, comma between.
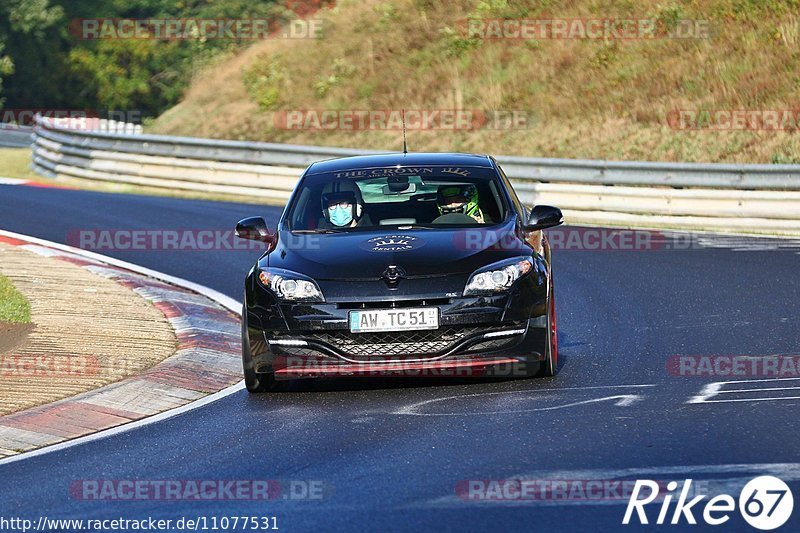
x: 400, y: 264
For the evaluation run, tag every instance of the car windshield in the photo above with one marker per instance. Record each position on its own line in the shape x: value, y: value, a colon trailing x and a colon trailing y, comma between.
x: 427, y: 196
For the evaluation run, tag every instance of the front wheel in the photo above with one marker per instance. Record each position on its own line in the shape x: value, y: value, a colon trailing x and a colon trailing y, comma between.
x: 254, y: 381
x: 549, y: 367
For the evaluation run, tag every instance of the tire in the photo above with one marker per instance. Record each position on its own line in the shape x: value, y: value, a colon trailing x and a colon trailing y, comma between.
x: 254, y: 381
x: 549, y: 367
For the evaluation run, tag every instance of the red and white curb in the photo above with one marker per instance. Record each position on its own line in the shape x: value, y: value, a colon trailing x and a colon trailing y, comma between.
x: 205, y: 367
x: 30, y: 183
x: 13, y: 181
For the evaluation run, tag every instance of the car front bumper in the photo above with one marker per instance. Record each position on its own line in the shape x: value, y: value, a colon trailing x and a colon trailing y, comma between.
x: 476, y: 335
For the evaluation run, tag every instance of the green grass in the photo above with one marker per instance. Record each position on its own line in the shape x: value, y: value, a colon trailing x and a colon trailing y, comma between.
x: 15, y: 163
x: 14, y: 308
x: 591, y: 99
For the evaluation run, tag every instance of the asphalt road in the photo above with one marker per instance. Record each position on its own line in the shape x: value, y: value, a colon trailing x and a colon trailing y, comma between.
x: 391, y: 453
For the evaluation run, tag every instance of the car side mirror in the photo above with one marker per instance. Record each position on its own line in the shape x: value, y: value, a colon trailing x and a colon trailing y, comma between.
x: 544, y: 216
x: 253, y: 228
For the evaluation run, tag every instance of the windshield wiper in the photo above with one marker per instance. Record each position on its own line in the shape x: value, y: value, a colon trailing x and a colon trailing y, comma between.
x: 318, y: 231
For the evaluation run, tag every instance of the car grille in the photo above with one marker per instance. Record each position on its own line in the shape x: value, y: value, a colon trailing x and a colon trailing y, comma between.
x: 400, y: 303
x: 398, y: 345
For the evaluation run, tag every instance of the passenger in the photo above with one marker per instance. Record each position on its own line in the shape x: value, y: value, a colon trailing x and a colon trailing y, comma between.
x: 459, y: 199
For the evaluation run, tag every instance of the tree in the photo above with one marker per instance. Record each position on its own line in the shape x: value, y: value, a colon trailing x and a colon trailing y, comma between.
x: 23, y: 19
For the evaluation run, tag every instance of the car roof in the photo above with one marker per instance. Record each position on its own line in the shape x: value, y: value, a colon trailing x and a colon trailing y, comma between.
x: 401, y: 159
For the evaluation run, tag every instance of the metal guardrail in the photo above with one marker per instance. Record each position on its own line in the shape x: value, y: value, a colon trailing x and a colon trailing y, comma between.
x: 758, y: 198
x: 20, y: 136
x: 95, y: 124
x: 652, y: 174
x: 13, y: 136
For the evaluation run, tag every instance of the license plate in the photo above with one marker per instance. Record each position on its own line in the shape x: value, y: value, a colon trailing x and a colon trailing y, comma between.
x: 394, y: 319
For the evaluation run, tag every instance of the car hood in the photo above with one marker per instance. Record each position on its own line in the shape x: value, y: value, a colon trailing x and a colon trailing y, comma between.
x: 365, y: 255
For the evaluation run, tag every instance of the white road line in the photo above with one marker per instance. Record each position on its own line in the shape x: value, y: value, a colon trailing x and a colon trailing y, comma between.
x: 225, y: 301
x: 777, y: 398
x: 715, y: 389
x: 758, y: 390
x: 622, y: 400
x: 759, y: 380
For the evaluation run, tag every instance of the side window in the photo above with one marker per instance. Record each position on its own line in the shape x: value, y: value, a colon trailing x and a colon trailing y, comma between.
x: 302, y: 206
x: 490, y: 202
x: 521, y: 209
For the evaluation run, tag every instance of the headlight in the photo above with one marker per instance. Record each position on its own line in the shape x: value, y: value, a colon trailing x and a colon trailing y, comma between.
x: 290, y: 286
x: 498, y: 277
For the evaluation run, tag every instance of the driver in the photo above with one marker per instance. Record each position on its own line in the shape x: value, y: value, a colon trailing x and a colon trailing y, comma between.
x: 459, y: 199
x: 342, y: 206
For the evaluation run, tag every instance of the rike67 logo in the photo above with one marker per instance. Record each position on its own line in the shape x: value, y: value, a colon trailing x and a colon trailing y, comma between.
x: 765, y: 503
